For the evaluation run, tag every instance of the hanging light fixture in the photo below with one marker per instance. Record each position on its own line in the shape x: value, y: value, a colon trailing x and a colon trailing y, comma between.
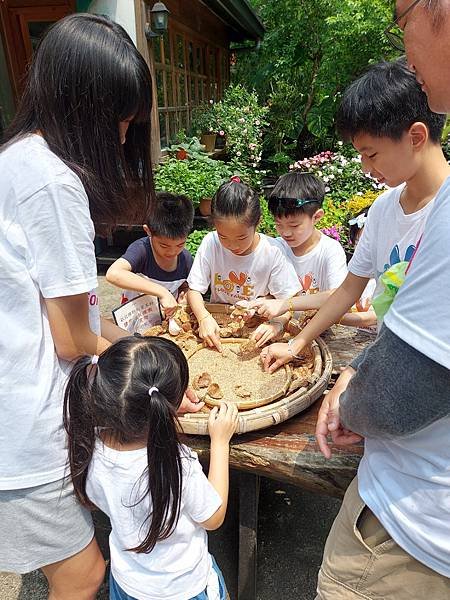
x: 159, y: 18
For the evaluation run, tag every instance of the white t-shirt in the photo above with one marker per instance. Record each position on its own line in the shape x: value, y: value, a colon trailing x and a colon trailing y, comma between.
x: 389, y: 236
x: 177, y: 568
x: 46, y: 251
x: 406, y: 483
x: 323, y: 268
x: 233, y: 278
x: 420, y: 313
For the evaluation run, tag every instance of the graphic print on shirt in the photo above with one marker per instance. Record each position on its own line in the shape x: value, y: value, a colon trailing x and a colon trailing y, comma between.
x: 309, y: 283
x: 238, y: 287
x: 395, y: 258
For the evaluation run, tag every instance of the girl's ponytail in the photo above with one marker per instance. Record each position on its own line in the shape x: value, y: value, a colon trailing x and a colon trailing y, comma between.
x: 79, y: 423
x: 164, y: 470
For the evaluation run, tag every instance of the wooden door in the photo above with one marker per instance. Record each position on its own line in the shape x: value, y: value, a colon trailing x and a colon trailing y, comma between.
x: 22, y: 24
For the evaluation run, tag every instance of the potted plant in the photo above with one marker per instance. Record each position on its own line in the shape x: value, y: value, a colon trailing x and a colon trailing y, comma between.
x: 205, y: 125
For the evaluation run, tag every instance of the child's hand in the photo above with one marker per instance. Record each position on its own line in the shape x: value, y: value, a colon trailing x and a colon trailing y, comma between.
x: 208, y: 330
x: 190, y: 403
x: 168, y: 304
x: 270, y: 308
x: 266, y: 332
x: 223, y: 422
x: 275, y: 356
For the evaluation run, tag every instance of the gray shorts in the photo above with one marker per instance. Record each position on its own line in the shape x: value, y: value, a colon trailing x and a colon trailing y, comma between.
x: 41, y: 525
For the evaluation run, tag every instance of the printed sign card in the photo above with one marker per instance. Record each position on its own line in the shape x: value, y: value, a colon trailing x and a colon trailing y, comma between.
x: 139, y: 314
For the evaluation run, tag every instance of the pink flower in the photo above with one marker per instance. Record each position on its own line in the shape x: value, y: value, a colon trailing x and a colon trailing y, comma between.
x: 221, y: 132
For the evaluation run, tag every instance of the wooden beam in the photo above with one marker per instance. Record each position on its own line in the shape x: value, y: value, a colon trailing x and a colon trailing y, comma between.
x: 145, y: 49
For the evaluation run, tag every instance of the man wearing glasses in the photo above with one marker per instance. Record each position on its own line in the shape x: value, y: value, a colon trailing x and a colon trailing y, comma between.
x: 391, y: 539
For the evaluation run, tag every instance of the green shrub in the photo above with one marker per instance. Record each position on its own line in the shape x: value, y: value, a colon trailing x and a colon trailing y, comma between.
x: 195, y: 239
x: 196, y: 179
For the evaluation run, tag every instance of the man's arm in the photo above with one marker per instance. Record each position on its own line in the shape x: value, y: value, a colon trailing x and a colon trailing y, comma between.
x: 396, y: 390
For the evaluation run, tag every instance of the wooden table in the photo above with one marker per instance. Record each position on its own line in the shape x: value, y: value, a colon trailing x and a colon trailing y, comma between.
x: 288, y: 452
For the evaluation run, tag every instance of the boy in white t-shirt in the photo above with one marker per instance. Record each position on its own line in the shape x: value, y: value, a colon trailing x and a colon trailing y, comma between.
x: 296, y: 205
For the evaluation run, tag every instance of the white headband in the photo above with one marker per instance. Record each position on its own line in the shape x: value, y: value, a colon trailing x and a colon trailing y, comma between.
x: 360, y: 220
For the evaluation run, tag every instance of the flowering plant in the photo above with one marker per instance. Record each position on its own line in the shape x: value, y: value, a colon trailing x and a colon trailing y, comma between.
x: 240, y: 118
x: 341, y: 172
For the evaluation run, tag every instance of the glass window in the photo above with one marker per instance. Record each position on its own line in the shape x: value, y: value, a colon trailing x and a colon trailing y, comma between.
x: 36, y: 30
x: 162, y: 129
x: 166, y: 47
x: 180, y: 52
x: 160, y: 87
x: 182, y: 90
x: 157, y: 49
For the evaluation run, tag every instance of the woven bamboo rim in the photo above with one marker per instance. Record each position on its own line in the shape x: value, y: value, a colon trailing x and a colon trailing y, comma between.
x: 246, y: 404
x: 280, y: 410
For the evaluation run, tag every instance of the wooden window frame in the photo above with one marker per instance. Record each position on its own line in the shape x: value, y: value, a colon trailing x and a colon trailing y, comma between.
x: 206, y: 85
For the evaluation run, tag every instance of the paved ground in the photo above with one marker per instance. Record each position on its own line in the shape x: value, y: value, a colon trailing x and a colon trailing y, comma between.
x: 293, y: 526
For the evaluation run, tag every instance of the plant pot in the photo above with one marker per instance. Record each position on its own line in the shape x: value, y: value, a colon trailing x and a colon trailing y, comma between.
x: 209, y: 141
x: 220, y: 142
x: 205, y: 207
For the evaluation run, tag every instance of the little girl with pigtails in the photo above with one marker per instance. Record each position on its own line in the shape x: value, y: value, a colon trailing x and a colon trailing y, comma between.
x: 237, y: 263
x: 120, y: 414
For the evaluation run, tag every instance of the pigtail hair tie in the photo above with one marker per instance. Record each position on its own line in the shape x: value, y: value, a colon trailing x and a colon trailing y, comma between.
x: 94, y: 359
x: 152, y: 389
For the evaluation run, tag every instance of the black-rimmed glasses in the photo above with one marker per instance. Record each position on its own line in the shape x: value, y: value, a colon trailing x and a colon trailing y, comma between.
x: 396, y: 39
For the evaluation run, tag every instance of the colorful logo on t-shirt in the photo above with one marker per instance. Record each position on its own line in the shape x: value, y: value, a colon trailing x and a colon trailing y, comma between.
x: 236, y: 286
x: 395, y: 258
x: 307, y: 282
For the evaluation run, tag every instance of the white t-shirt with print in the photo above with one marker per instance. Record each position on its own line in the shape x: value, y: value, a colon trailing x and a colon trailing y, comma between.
x: 323, y: 268
x: 420, y: 313
x: 233, y: 278
x: 389, y: 236
x: 178, y: 567
x: 46, y: 251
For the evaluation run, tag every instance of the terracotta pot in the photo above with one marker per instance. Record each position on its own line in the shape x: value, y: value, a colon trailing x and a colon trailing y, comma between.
x: 209, y: 141
x: 205, y: 207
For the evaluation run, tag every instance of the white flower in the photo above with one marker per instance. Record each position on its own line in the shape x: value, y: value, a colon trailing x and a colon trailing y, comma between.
x: 326, y: 179
x: 359, y: 193
x: 327, y: 189
x: 253, y: 164
x: 257, y: 122
x: 340, y: 143
x: 241, y: 120
x: 238, y: 153
x: 211, y: 101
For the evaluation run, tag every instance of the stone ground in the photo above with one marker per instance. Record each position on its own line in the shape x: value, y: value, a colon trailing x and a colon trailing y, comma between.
x: 293, y: 525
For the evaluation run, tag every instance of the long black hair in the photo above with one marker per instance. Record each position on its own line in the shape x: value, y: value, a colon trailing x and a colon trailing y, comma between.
x: 114, y: 396
x: 86, y: 77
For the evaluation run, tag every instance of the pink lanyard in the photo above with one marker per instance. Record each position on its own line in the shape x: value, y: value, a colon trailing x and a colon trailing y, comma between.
x: 414, y: 254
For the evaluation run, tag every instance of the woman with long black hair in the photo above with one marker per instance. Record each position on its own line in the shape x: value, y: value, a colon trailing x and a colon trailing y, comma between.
x: 76, y: 154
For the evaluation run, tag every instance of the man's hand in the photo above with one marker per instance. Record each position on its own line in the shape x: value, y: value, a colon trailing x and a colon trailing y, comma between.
x: 328, y: 421
x: 190, y: 403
